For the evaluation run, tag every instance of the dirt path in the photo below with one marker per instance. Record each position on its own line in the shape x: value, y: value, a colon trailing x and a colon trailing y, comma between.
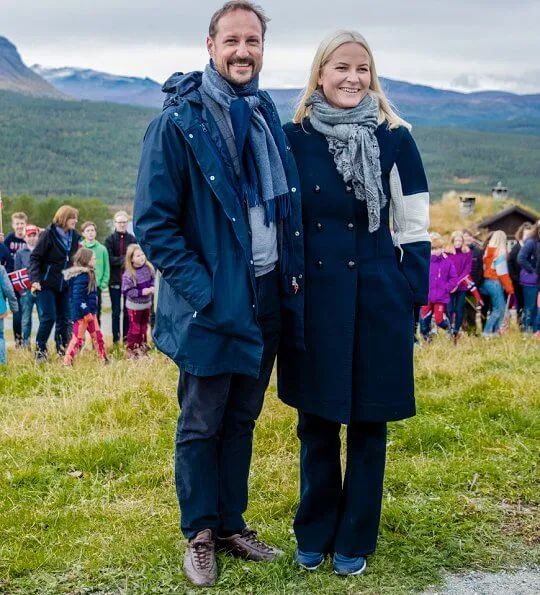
x: 525, y: 581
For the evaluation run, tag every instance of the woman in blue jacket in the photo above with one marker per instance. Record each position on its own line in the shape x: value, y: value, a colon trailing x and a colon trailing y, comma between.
x: 355, y: 158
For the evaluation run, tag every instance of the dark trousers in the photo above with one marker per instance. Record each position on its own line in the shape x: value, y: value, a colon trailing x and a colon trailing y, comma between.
x: 215, y: 432
x: 17, y: 321
x: 531, y: 318
x: 98, y: 315
x: 456, y: 309
x: 335, y: 514
x: 53, y: 309
x: 118, y: 303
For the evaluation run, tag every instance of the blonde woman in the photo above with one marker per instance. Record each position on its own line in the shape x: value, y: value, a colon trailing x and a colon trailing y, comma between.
x: 461, y: 257
x: 52, y: 255
x: 496, y: 281
x: 355, y: 157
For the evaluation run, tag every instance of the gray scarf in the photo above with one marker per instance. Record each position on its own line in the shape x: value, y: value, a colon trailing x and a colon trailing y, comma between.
x: 263, y: 177
x: 351, y: 139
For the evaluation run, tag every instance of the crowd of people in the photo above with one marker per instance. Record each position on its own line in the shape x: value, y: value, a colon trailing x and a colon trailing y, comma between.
x: 63, y: 275
x: 467, y: 277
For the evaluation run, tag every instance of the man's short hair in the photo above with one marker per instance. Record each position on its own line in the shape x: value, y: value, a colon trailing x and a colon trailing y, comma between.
x: 19, y: 215
x: 237, y: 5
x: 88, y: 224
x: 121, y: 214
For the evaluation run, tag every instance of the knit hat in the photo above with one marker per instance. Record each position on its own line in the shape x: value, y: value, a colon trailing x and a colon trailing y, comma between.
x: 31, y: 230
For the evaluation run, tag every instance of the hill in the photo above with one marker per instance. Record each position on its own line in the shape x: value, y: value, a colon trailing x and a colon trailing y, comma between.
x: 15, y: 76
x: 84, y: 83
x: 494, y: 111
x: 92, y: 149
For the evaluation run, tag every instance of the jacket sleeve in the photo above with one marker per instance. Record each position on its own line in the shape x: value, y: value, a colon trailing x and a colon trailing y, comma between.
x: 106, y: 272
x: 513, y: 265
x: 501, y: 267
x: 6, y: 259
x: 524, y: 256
x: 17, y: 261
x: 8, y: 291
x: 37, y: 257
x: 129, y: 288
x: 114, y: 261
x: 453, y: 278
x: 162, y: 188
x: 410, y: 212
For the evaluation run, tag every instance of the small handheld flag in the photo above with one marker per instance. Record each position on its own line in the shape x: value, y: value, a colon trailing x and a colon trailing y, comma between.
x: 20, y: 280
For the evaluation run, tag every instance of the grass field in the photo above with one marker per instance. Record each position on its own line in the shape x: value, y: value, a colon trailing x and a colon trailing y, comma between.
x: 87, y: 501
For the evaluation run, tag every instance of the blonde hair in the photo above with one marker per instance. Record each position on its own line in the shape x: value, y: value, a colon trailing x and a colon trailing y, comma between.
x: 128, y: 264
x: 121, y: 214
x: 437, y: 243
x: 451, y: 249
x: 63, y: 214
x: 325, y: 50
x: 498, y: 240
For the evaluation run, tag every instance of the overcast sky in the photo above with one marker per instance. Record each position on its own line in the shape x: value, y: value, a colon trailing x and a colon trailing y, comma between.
x: 458, y: 44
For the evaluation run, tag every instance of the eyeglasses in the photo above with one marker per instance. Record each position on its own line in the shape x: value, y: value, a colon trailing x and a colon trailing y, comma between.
x: 120, y: 221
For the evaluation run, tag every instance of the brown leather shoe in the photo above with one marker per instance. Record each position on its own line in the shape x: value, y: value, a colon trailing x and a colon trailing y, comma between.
x: 246, y: 545
x: 200, y: 565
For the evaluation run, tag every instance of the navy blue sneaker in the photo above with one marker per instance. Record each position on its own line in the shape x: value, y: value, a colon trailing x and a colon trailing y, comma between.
x: 349, y: 566
x: 308, y: 560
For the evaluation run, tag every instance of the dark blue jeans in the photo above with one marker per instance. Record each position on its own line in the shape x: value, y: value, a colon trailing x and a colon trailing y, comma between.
x: 215, y: 432
x: 53, y: 308
x: 118, y: 303
x: 456, y: 308
x: 17, y: 322
x: 26, y: 304
x: 531, y: 315
x: 335, y: 514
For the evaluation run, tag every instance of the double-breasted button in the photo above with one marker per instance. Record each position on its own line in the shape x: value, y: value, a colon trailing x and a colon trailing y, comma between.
x: 319, y: 264
x: 350, y: 226
x: 316, y: 189
x: 348, y: 189
x: 319, y: 226
x: 351, y: 264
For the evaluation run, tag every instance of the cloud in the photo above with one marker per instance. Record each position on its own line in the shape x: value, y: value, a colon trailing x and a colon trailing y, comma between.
x: 423, y: 41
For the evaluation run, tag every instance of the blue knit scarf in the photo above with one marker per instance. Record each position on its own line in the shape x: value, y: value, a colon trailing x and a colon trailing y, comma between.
x: 259, y: 143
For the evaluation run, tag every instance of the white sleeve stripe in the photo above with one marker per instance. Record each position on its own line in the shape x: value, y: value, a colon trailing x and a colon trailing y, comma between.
x: 410, y: 212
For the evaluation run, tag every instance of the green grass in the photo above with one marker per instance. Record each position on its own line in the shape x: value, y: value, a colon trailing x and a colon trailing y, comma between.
x: 460, y: 490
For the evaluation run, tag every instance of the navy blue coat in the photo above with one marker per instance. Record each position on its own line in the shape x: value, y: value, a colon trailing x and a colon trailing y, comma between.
x: 360, y: 288
x: 50, y: 258
x: 190, y: 222
x: 81, y: 301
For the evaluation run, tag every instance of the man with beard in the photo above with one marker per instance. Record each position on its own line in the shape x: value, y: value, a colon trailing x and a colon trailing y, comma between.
x: 217, y: 211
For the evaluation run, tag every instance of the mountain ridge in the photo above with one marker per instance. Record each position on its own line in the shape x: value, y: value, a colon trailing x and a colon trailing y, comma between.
x: 420, y: 104
x: 16, y: 76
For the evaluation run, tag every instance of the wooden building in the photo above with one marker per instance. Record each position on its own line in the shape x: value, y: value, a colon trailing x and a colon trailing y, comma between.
x: 508, y: 220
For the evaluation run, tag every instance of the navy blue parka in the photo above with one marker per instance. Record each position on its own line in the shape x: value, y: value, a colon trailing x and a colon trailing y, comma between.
x: 191, y: 224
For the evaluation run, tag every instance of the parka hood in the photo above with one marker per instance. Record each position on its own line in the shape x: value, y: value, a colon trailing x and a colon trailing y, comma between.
x: 180, y: 85
x: 74, y: 272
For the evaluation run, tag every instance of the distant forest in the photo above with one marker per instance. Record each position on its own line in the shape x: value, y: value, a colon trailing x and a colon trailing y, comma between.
x: 65, y: 148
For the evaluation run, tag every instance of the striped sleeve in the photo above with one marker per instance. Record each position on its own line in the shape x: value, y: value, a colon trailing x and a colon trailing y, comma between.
x: 410, y: 213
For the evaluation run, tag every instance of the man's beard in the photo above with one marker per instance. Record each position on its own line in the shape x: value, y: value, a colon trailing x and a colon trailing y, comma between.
x: 248, y: 62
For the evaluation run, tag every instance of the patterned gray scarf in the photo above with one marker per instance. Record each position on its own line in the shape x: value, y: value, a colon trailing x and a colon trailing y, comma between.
x: 351, y: 139
x: 263, y: 175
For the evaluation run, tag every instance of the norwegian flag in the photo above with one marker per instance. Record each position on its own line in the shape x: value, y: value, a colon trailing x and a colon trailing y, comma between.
x: 20, y: 280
